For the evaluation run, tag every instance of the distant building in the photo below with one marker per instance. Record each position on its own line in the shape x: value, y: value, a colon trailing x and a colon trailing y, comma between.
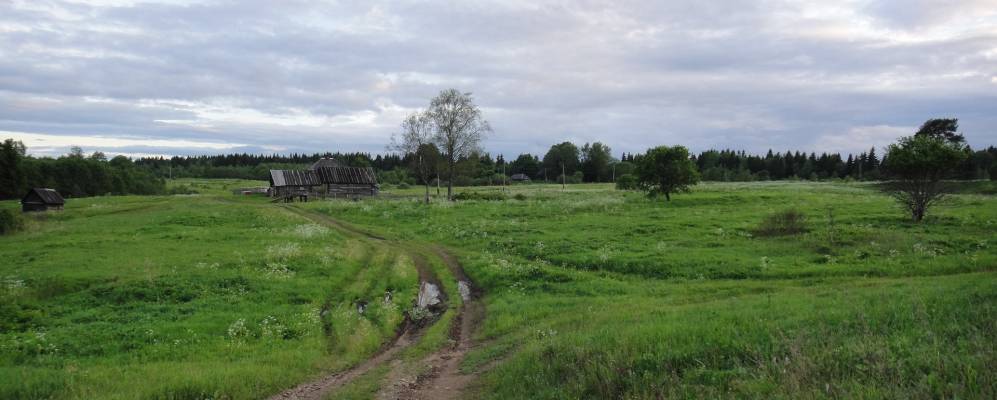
x: 519, y: 178
x: 324, y: 178
x: 40, y: 199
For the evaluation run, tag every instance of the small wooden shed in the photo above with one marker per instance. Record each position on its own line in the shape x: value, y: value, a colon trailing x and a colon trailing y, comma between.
x: 41, y: 199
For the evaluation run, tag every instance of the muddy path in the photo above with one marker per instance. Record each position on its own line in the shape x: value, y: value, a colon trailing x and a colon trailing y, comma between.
x: 438, y: 375
x: 430, y: 295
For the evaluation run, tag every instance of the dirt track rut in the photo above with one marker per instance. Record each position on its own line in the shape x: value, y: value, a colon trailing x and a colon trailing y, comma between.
x: 441, y: 377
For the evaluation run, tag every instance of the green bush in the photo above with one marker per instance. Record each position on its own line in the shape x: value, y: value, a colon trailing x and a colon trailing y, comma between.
x: 403, y: 185
x: 626, y: 182
x: 788, y: 222
x: 10, y: 221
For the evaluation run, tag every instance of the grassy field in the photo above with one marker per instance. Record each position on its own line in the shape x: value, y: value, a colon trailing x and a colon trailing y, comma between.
x: 593, y: 293
x: 589, y: 293
x: 202, y: 296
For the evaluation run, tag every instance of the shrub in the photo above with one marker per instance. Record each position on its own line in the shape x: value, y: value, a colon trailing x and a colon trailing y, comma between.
x: 10, y: 222
x: 403, y: 185
x: 487, y: 196
x: 519, y: 196
x: 626, y: 182
x: 788, y: 222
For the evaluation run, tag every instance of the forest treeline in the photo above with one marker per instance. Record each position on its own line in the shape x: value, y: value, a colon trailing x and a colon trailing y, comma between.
x: 73, y: 175
x: 587, y: 163
x: 78, y: 174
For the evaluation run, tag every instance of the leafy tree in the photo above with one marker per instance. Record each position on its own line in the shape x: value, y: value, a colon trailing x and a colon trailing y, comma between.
x: 415, y: 142
x: 459, y: 128
x: 917, y: 164
x: 595, y: 162
x: 562, y: 156
x: 943, y: 128
x: 665, y: 170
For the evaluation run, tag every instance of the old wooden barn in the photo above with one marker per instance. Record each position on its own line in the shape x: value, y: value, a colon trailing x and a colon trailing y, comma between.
x: 41, y: 199
x: 325, y: 178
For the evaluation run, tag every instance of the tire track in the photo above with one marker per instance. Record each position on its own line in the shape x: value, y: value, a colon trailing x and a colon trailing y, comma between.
x: 441, y: 377
x: 408, y: 334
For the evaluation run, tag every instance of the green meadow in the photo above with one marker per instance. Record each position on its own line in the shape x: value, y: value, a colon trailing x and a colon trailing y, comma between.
x: 595, y: 293
x: 589, y: 292
x: 192, y: 297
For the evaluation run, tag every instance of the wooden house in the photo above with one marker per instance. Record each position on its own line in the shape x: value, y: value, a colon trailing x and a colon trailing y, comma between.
x: 40, y: 199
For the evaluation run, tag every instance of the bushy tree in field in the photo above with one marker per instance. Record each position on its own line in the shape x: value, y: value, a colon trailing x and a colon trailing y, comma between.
x: 917, y: 165
x: 665, y: 170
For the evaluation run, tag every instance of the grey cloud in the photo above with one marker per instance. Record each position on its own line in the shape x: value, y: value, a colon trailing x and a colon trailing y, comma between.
x: 752, y: 75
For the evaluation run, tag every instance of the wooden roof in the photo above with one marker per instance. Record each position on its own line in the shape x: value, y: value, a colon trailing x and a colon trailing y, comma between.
x: 347, y: 175
x: 281, y: 177
x: 43, y: 196
x: 325, y: 175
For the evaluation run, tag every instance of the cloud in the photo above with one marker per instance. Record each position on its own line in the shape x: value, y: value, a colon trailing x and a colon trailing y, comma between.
x: 339, y: 76
x: 862, y: 138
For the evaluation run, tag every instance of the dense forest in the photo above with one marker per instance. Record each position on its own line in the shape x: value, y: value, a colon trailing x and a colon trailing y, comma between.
x: 77, y: 174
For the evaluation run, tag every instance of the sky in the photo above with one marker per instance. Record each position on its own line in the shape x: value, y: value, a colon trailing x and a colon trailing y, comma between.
x: 190, y: 77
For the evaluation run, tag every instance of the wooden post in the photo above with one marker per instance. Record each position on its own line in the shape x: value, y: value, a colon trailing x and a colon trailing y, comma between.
x: 563, y: 176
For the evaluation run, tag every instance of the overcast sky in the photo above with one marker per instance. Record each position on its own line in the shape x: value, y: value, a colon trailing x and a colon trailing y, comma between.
x: 204, y: 77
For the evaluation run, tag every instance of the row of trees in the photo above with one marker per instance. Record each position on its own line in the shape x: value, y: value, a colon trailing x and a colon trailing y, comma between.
x: 73, y: 175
